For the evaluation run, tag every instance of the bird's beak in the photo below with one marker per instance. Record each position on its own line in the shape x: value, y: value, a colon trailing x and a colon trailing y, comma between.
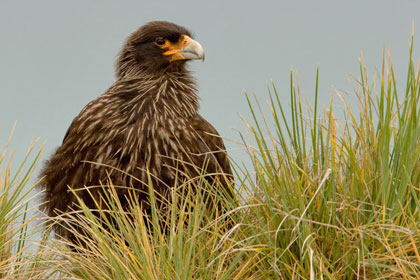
x: 186, y: 48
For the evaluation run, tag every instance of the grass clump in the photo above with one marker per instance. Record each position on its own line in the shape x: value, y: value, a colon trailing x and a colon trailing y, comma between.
x: 324, y: 199
x: 187, y: 240
x: 340, y: 200
x: 17, y: 213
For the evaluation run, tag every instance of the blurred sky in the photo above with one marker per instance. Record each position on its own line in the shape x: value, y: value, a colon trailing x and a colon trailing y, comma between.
x: 56, y: 56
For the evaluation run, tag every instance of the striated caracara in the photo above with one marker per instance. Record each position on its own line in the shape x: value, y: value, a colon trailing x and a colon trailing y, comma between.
x: 145, y: 126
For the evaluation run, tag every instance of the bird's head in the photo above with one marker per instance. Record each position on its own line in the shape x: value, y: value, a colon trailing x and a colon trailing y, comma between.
x: 155, y: 47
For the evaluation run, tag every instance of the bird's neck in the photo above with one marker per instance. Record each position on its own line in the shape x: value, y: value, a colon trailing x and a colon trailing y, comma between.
x: 164, y: 95
x: 177, y: 93
x: 130, y: 68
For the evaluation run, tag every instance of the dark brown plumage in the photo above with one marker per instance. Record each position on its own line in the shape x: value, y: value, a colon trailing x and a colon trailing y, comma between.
x: 147, y: 121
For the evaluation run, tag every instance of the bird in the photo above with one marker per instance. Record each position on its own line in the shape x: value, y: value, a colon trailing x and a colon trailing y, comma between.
x: 144, y: 130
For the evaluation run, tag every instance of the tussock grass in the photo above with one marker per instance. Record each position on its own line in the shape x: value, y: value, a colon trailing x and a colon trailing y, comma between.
x: 327, y: 198
x: 186, y: 240
x: 340, y: 200
x: 16, y: 214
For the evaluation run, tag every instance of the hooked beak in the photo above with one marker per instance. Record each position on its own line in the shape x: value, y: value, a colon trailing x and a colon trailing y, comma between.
x: 186, y: 48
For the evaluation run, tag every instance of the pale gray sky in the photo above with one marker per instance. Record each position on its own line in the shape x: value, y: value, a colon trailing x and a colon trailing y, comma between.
x: 56, y: 56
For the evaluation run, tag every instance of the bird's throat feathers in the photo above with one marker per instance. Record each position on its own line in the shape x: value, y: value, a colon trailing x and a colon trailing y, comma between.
x: 159, y: 97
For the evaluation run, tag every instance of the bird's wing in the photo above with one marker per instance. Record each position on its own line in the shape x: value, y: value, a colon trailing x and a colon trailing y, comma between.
x: 211, y: 142
x: 86, y: 140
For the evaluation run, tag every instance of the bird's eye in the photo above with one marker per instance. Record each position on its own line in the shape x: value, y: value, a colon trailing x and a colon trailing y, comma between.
x: 160, y: 41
